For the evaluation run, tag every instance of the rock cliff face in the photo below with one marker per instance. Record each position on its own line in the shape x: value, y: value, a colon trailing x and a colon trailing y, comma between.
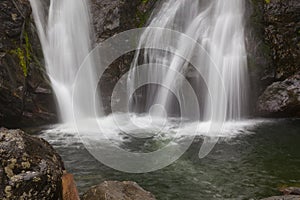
x: 109, y: 18
x: 282, y: 26
x: 273, y: 46
x: 26, y: 98
x: 25, y: 95
x: 114, y: 16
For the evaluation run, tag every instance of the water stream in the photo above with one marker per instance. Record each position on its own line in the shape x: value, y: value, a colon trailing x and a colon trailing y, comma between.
x: 65, y: 34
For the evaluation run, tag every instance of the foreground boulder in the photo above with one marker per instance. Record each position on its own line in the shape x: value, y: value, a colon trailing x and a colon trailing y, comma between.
x: 281, y: 99
x: 29, y: 167
x: 114, y: 190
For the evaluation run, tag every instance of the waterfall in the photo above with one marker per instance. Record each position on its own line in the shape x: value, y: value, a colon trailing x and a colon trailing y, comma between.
x: 218, y: 27
x: 65, y: 35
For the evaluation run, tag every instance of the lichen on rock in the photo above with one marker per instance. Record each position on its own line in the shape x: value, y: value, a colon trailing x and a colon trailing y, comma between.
x: 29, y: 167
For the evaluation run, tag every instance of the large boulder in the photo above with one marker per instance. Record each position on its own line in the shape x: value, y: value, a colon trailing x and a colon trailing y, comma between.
x: 25, y: 94
x: 114, y: 190
x: 29, y: 168
x: 281, y: 99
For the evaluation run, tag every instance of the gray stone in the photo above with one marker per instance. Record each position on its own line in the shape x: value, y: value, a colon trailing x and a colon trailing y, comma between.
x: 114, y: 190
x: 281, y: 99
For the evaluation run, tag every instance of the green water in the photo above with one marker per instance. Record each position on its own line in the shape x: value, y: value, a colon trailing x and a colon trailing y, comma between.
x: 249, y: 166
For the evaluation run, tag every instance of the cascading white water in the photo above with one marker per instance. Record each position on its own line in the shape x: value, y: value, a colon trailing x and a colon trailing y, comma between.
x: 65, y: 34
x: 218, y: 26
x: 64, y: 31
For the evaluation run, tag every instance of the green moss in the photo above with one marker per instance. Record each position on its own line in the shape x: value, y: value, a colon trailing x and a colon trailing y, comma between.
x: 142, y: 19
x: 24, y: 54
x: 22, y: 59
x: 268, y: 1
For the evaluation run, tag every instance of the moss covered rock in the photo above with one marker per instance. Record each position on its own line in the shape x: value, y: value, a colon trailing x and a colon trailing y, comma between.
x: 26, y: 98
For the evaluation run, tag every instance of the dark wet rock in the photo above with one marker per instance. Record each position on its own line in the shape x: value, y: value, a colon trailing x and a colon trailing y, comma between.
x: 282, y: 25
x: 281, y: 99
x: 272, y: 38
x: 258, y: 51
x: 111, y: 17
x: 29, y: 167
x: 114, y: 190
x: 26, y: 98
x: 286, y: 197
x: 114, y: 16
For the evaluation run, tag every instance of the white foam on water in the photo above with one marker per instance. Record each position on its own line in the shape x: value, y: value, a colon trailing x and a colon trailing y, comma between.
x: 118, y: 128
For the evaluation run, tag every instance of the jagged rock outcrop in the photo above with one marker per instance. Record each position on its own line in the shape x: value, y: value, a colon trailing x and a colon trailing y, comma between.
x: 29, y: 167
x: 25, y: 95
x: 114, y: 190
x: 281, y: 99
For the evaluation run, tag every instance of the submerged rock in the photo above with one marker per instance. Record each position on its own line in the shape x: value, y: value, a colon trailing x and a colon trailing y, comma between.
x: 286, y: 197
x: 290, y: 190
x: 29, y: 167
x: 281, y: 99
x: 114, y: 190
